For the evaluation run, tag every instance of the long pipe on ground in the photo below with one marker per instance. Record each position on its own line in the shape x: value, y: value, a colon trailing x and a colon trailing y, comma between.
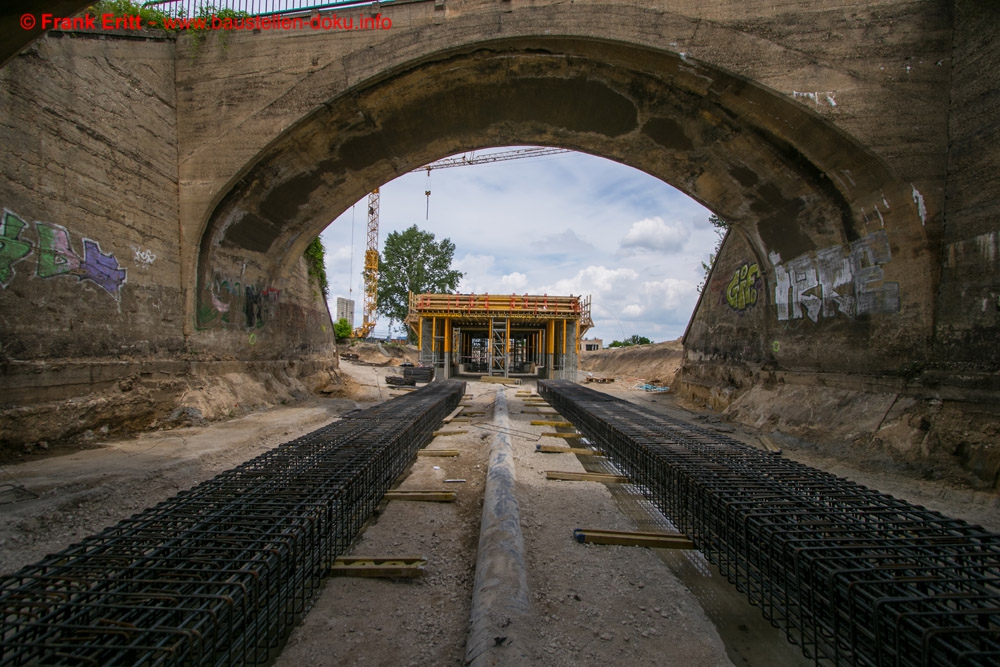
x: 497, y: 632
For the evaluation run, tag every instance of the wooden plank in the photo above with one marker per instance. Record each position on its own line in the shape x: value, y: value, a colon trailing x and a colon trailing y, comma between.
x: 633, y: 539
x: 349, y: 566
x: 424, y: 496
x: 585, y: 477
x: 569, y: 436
x: 556, y: 449
x: 438, y: 452
x: 461, y: 420
x: 445, y: 433
x: 500, y: 380
x: 454, y: 413
x: 537, y: 422
x: 769, y: 444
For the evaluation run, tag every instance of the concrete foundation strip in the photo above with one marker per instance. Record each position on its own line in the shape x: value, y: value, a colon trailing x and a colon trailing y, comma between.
x: 500, y: 596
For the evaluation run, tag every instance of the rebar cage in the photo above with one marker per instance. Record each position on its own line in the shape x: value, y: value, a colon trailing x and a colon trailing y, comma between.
x: 219, y: 574
x: 853, y: 576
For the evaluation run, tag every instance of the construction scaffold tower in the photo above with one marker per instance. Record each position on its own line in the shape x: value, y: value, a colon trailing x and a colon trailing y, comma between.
x: 500, y: 335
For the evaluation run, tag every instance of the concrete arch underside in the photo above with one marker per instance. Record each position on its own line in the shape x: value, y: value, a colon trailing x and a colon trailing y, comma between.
x: 791, y: 182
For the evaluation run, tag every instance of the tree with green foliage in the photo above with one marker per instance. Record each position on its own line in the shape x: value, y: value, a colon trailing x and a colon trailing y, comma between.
x: 413, y: 262
x: 342, y: 328
x: 634, y: 339
x: 721, y: 229
x: 316, y: 264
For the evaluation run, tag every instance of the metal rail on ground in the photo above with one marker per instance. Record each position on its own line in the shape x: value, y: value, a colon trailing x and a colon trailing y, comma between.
x: 853, y: 576
x: 218, y: 574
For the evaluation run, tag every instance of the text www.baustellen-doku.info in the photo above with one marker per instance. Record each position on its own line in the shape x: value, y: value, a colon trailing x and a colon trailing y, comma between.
x: 269, y: 22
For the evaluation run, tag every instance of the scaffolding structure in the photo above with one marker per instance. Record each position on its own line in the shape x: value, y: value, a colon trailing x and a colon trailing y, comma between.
x: 500, y: 335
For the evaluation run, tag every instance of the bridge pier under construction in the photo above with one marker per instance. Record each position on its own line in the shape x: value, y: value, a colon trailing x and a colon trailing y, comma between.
x: 505, y: 336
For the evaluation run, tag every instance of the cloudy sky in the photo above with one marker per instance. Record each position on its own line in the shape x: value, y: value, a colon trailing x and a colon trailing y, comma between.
x: 562, y: 224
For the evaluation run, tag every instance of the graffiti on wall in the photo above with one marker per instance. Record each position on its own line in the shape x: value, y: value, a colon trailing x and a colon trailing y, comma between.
x: 230, y: 298
x: 56, y: 257
x: 741, y: 292
x: 841, y: 279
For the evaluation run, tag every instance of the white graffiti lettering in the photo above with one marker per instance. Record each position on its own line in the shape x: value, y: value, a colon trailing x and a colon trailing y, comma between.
x: 846, y: 280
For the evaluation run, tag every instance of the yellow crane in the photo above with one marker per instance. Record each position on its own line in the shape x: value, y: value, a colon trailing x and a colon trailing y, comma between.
x: 371, y: 269
x: 371, y: 250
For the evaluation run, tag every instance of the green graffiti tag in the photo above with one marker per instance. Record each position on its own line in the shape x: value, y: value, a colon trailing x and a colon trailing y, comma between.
x: 12, y: 250
x: 741, y: 293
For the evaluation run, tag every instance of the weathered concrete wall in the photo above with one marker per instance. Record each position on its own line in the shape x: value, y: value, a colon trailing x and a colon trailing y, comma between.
x: 91, y: 304
x: 849, y: 147
x: 968, y: 310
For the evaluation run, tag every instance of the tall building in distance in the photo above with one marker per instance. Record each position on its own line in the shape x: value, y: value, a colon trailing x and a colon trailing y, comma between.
x: 345, y: 309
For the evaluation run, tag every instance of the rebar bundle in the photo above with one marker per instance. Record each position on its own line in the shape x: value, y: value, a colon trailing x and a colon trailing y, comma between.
x: 218, y: 574
x: 853, y: 576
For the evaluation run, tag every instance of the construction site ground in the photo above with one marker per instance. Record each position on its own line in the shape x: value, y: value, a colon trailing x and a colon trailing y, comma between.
x: 589, y: 604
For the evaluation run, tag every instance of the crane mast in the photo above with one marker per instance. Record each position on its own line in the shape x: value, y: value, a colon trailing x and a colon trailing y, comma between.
x: 371, y: 269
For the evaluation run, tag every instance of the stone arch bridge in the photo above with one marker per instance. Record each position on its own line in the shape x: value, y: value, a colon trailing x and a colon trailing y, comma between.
x: 159, y: 191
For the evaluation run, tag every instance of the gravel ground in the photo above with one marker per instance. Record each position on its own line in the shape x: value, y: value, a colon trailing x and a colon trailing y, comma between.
x: 589, y: 604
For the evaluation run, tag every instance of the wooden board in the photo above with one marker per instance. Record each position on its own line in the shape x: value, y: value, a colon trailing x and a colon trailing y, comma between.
x: 633, y: 539
x: 349, y: 566
x: 422, y: 496
x: 585, y: 477
x: 557, y: 449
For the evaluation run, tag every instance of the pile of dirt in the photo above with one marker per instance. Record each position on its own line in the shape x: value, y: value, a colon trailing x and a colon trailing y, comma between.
x: 656, y: 364
x: 378, y: 354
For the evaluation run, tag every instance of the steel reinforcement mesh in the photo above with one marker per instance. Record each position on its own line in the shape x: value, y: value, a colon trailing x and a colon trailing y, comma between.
x: 218, y: 574
x: 853, y: 576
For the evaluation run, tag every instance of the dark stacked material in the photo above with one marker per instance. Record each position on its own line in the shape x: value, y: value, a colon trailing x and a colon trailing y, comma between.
x: 853, y: 576
x: 218, y: 574
x: 419, y: 373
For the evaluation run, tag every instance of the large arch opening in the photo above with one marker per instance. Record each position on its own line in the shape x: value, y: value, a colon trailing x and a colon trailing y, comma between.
x: 837, y: 240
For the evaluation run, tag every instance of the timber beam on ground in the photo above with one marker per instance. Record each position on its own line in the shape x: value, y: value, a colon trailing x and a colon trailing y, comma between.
x: 367, y: 566
x: 569, y: 476
x: 556, y: 449
x: 628, y: 538
x: 420, y: 495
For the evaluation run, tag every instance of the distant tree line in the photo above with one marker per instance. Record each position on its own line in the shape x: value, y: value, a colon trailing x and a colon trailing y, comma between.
x: 634, y: 339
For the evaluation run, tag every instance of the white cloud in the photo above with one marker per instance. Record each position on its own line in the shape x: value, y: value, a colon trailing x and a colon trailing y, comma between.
x: 653, y: 234
x: 514, y: 281
x: 599, y: 281
x: 632, y: 310
x: 668, y: 294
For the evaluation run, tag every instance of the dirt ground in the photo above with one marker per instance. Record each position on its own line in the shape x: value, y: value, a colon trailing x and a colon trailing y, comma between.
x: 589, y: 604
x: 655, y: 364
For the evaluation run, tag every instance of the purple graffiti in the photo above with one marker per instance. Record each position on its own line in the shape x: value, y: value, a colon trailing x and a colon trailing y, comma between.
x: 101, y: 268
x: 57, y: 258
